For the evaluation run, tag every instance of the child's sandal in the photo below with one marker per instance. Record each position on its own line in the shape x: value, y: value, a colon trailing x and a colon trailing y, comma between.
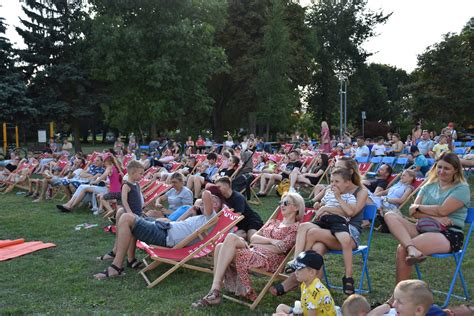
x: 277, y: 290
x: 348, y: 285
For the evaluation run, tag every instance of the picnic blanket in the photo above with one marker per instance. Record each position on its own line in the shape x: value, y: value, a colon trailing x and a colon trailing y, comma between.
x: 10, y: 249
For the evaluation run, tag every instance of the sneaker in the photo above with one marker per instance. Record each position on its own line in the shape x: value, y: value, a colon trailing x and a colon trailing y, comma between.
x: 96, y: 212
x: 292, y: 190
x: 28, y: 194
x: 289, y: 268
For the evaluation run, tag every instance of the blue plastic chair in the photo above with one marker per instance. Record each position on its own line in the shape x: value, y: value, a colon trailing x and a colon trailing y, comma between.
x: 460, y: 151
x: 400, y: 164
x: 469, y: 144
x: 458, y: 258
x: 457, y: 144
x: 388, y: 161
x: 362, y: 159
x: 370, y: 213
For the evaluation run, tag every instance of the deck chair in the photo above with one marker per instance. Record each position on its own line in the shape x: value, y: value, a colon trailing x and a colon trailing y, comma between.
x: 370, y: 213
x: 162, y: 189
x: 457, y: 144
x: 400, y: 165
x: 461, y: 151
x: 179, y: 257
x: 255, y: 181
x: 309, y: 214
x: 363, y: 166
x: 416, y: 187
x: 375, y: 163
x: 458, y: 259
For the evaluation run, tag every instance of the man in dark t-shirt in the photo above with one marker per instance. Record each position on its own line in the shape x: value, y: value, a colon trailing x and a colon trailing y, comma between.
x: 268, y: 179
x: 380, y: 182
x: 236, y: 201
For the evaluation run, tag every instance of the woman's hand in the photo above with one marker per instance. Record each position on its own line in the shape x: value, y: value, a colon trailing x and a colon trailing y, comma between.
x: 279, y: 244
x: 412, y: 209
x: 317, y: 205
x: 337, y: 192
x: 446, y: 221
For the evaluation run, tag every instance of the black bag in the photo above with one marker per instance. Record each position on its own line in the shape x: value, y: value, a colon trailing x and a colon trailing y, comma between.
x: 242, y: 182
x: 328, y: 220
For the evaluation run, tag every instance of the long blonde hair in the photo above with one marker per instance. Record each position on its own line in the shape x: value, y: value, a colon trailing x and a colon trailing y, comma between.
x: 454, y: 161
x: 324, y: 124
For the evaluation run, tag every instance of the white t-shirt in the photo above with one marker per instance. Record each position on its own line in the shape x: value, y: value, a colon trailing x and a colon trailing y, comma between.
x: 180, y: 230
x: 378, y: 150
x: 229, y: 143
x: 362, y: 151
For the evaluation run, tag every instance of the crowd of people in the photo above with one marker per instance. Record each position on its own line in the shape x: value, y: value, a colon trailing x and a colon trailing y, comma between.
x: 201, y: 178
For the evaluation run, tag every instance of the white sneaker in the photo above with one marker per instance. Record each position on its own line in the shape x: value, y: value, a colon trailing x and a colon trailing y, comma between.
x: 292, y: 190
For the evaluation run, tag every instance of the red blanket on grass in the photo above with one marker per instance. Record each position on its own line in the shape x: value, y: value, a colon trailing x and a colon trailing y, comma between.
x: 10, y: 249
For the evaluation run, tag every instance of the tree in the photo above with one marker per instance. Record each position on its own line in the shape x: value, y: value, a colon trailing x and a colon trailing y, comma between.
x: 340, y: 29
x: 15, y: 106
x: 54, y: 63
x: 156, y: 58
x: 277, y: 98
x: 443, y: 90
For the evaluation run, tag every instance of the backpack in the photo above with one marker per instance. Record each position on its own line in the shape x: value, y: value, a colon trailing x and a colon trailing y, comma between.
x: 283, y: 187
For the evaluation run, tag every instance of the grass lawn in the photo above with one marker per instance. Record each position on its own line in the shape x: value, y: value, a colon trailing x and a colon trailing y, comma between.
x: 59, y: 280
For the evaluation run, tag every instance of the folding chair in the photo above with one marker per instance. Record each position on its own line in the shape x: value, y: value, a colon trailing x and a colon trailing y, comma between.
x: 162, y: 189
x: 416, y: 187
x: 370, y: 212
x: 469, y: 144
x: 458, y: 258
x: 179, y: 257
x: 309, y: 214
x: 363, y: 164
x: 376, y: 162
x: 457, y: 144
x: 461, y: 151
x: 400, y: 165
x: 362, y: 159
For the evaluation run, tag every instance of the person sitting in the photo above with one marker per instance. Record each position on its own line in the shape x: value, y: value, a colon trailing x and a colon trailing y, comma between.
x: 390, y: 199
x: 442, y: 201
x: 153, y: 231
x: 378, y: 149
x: 397, y: 146
x: 179, y: 199
x: 267, y: 248
x: 96, y: 185
x: 440, y: 147
x: 144, y: 160
x: 315, y: 297
x: 420, y: 163
x: 235, y: 200
x: 380, y: 182
x: 197, y: 181
x: 232, y: 167
x: 362, y: 149
x: 312, y: 236
x: 267, y: 180
x: 312, y: 178
x: 337, y: 205
x: 425, y: 145
x: 93, y: 172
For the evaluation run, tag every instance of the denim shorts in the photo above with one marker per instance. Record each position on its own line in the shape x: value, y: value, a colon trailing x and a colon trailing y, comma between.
x: 355, y: 234
x: 146, y: 231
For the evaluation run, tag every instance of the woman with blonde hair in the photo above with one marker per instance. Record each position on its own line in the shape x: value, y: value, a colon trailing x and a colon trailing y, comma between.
x: 441, y: 209
x: 325, y: 137
x: 234, y: 258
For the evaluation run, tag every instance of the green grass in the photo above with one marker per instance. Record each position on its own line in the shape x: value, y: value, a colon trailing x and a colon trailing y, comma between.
x: 59, y: 280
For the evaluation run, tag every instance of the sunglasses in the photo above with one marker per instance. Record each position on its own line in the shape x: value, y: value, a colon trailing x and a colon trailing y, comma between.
x: 284, y: 203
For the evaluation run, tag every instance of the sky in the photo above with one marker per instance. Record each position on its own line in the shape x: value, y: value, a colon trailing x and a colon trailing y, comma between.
x: 413, y: 26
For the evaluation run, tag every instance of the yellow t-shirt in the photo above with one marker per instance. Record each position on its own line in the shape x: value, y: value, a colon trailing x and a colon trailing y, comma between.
x: 317, y: 297
x: 438, y: 149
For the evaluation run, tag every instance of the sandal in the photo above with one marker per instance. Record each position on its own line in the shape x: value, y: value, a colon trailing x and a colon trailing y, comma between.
x: 63, y: 209
x: 412, y: 260
x: 289, y: 267
x: 111, y: 255
x: 277, y: 290
x: 134, y: 264
x: 348, y: 285
x: 212, y: 298
x: 106, y: 275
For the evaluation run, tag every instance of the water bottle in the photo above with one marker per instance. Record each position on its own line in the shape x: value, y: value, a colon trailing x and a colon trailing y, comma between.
x: 297, y: 310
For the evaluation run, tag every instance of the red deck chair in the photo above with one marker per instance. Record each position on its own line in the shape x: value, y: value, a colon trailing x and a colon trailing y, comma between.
x: 364, y: 167
x: 179, y: 257
x: 175, y: 166
x: 162, y: 189
x: 416, y: 187
x: 278, y: 273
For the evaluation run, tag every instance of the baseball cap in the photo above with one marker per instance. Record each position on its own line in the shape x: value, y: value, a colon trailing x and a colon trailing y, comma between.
x: 308, y: 259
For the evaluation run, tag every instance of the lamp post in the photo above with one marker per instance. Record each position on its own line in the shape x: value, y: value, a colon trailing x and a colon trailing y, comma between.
x: 342, y: 103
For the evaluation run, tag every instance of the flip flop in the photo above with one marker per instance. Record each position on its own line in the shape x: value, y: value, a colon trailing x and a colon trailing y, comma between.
x: 412, y: 260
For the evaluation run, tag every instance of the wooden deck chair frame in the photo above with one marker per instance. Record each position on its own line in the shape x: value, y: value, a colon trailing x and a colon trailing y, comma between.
x: 415, y: 191
x: 162, y: 189
x: 213, y: 238
x: 257, y: 200
x: 278, y: 274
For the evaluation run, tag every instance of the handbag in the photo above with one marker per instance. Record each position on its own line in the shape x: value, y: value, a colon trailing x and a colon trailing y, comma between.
x: 429, y: 225
x: 328, y: 220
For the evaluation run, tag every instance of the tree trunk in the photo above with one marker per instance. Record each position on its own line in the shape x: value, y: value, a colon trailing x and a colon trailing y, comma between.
x: 76, y: 135
x: 153, y: 132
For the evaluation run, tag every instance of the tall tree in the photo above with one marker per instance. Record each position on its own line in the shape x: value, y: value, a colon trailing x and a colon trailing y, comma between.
x: 156, y: 58
x: 277, y: 98
x: 444, y: 80
x: 55, y: 62
x: 15, y: 106
x: 340, y: 27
